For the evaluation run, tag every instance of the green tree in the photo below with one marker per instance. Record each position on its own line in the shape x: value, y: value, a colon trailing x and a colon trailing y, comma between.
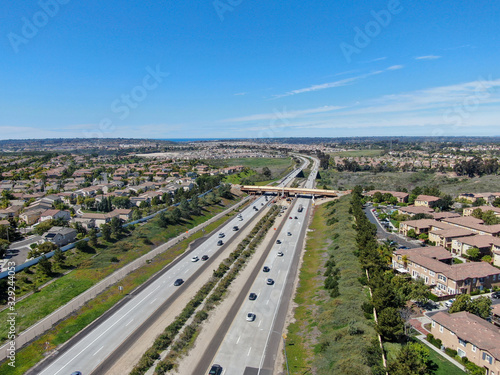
x: 481, y: 306
x: 106, y: 232
x: 116, y: 226
x: 390, y: 324
x: 473, y: 253
x: 194, y: 206
x: 59, y: 257
x: 4, y: 245
x: 93, y: 238
x: 412, y: 359
x: 496, y: 202
x: 411, y: 233
x: 44, y: 266
x: 176, y: 215
x: 462, y: 303
x: 185, y: 209
x: 490, y: 218
x: 266, y: 172
x: 419, y: 291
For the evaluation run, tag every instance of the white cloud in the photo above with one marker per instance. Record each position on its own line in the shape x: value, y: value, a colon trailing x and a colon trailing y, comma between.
x: 428, y: 57
x: 340, y: 83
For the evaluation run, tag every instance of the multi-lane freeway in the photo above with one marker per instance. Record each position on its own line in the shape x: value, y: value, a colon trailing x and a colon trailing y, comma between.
x: 101, y: 343
x: 251, y: 347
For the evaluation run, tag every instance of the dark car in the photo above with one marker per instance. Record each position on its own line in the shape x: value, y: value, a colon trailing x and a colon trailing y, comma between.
x: 278, y: 242
x: 252, y: 296
x: 76, y: 373
x: 250, y: 317
x: 204, y: 257
x: 220, y: 243
x: 266, y: 269
x: 178, y: 282
x: 495, y: 295
x: 296, y: 217
x: 235, y: 228
x: 270, y: 281
x: 215, y: 370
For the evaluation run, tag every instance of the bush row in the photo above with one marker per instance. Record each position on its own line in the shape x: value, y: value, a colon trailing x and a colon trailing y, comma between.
x: 165, y: 339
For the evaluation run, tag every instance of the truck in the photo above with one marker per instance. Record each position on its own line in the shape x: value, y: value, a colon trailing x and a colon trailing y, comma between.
x: 300, y: 208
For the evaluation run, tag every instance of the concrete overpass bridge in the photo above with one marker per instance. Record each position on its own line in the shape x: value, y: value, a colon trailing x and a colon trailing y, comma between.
x: 287, y: 191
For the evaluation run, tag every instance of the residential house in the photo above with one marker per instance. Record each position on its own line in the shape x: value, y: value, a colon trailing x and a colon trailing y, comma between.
x: 433, y: 266
x: 422, y: 226
x: 400, y: 196
x: 54, y: 215
x: 473, y: 224
x: 412, y: 210
x: 472, y: 197
x: 468, y: 210
x: 444, y: 237
x: 60, y: 235
x: 32, y: 216
x: 427, y: 201
x: 495, y: 315
x: 471, y: 337
x: 85, y: 222
x: 486, y: 244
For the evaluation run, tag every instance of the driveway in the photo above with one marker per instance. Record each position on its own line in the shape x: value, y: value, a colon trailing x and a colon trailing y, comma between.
x: 18, y: 251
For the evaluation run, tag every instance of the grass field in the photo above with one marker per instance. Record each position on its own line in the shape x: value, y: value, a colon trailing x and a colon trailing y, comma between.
x: 33, y: 353
x: 409, y: 180
x: 310, y: 295
x: 278, y: 167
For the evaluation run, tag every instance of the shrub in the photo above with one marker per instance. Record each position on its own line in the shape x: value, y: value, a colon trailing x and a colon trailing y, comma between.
x: 452, y: 353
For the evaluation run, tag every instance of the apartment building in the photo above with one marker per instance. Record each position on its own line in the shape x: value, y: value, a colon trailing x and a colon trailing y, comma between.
x: 422, y: 226
x: 434, y: 266
x: 468, y: 211
x: 471, y: 337
x: 400, y: 196
x: 486, y: 244
x: 473, y: 224
x: 444, y: 237
x: 427, y: 201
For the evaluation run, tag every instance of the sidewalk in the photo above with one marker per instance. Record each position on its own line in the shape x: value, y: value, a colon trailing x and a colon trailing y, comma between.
x: 424, y: 341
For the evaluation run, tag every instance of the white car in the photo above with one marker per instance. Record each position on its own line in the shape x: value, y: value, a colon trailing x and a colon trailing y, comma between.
x: 250, y: 317
x: 280, y: 253
x: 195, y: 259
x: 448, y: 303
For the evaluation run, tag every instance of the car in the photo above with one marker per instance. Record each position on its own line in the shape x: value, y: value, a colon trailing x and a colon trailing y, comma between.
x: 195, y: 259
x: 252, y: 296
x: 76, y: 373
x: 250, y: 317
x: 220, y: 243
x: 262, y: 204
x: 289, y: 234
x: 215, y: 370
x: 296, y: 217
x: 270, y: 281
x: 290, y: 217
x: 235, y: 228
x: 280, y: 253
x: 278, y: 242
x: 204, y: 257
x: 266, y: 269
x: 495, y: 295
x: 178, y: 282
x: 221, y: 235
x: 280, y: 215
x: 449, y: 303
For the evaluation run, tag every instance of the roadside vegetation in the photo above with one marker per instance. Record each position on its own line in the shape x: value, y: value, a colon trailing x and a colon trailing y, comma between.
x: 30, y: 355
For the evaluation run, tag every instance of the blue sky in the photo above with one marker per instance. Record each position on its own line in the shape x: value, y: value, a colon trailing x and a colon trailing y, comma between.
x: 185, y: 69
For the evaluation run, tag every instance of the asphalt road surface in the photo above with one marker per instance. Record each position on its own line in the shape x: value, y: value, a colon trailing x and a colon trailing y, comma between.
x: 86, y: 353
x: 251, y: 347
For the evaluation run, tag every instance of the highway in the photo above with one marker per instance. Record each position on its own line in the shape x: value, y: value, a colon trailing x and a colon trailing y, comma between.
x: 96, y: 346
x: 250, y: 347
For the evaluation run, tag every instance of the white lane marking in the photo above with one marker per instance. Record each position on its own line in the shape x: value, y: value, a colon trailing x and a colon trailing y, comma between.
x: 153, y: 301
x: 99, y: 350
x: 129, y: 323
x: 260, y: 322
x: 237, y: 341
x: 102, y: 333
x: 249, y: 350
x: 186, y: 271
x: 267, y: 303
